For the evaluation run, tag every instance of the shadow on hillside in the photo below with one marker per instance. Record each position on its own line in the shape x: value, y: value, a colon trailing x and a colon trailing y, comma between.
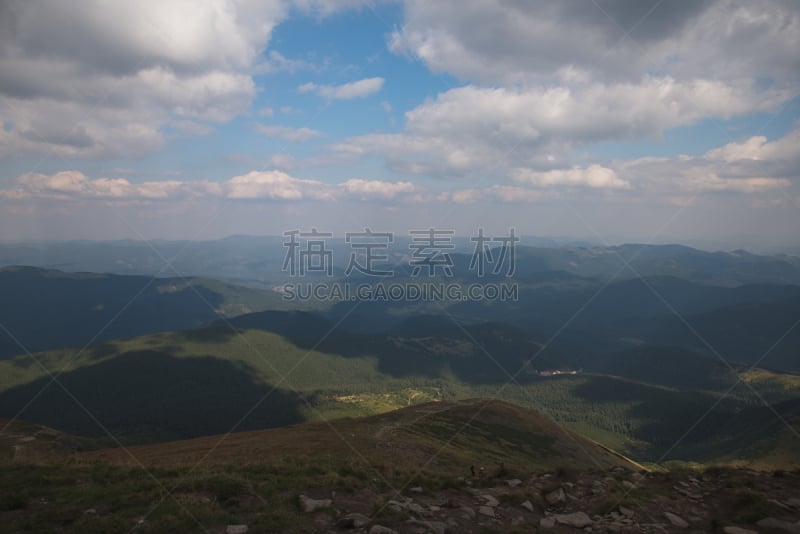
x: 47, y: 310
x: 659, y: 416
x: 476, y: 354
x: 146, y: 395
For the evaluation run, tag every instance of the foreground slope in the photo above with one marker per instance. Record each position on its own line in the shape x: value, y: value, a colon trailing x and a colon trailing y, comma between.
x: 437, y: 437
x: 405, y: 472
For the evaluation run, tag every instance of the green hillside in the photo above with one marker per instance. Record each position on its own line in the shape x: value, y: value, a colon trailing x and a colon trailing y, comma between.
x: 200, y: 382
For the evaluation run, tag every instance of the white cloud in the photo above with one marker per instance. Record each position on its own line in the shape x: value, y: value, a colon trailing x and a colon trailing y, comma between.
x: 347, y: 91
x: 296, y: 135
x: 74, y: 184
x: 593, y: 176
x: 527, y: 42
x: 377, y: 189
x: 100, y: 80
x: 274, y: 185
x: 750, y: 166
x: 192, y: 127
x: 757, y: 148
x: 466, y: 130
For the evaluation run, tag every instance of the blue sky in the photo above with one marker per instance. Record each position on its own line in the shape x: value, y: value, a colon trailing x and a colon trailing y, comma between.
x: 582, y: 119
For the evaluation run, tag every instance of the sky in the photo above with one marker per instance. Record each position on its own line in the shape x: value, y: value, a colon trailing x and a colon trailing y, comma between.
x: 612, y: 120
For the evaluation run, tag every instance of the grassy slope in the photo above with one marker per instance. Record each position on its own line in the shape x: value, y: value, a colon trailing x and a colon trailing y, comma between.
x: 441, y: 438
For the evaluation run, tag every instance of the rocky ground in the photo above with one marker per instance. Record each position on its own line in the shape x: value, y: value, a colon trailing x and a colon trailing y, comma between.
x: 730, y: 501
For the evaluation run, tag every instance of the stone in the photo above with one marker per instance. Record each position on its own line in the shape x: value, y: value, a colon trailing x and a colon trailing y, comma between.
x: 380, y: 529
x: 490, y: 500
x: 555, y: 497
x: 395, y: 506
x: 353, y: 520
x: 416, y: 489
x: 528, y: 506
x: 547, y: 522
x: 310, y: 505
x: 627, y: 512
x: 676, y: 521
x: 628, y: 485
x: 575, y: 519
x: 90, y: 511
x: 236, y: 529
x: 514, y: 482
x: 470, y: 513
x: 416, y: 508
x: 488, y: 511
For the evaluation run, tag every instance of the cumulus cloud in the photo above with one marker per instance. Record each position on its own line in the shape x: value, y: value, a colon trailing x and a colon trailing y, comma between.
x: 468, y: 129
x: 748, y: 166
x: 526, y: 42
x: 89, y: 80
x: 593, y: 176
x: 377, y: 189
x: 286, y: 133
x: 534, y: 95
x: 255, y: 185
x: 74, y: 184
x: 347, y: 91
x: 274, y: 185
x: 757, y: 148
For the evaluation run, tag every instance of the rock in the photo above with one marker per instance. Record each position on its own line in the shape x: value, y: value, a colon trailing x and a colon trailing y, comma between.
x: 575, y: 519
x: 490, y: 500
x: 779, y: 504
x: 90, y: 511
x: 488, y: 511
x: 555, y: 497
x: 416, y: 489
x: 311, y: 505
x: 628, y: 485
x: 468, y: 511
x: 794, y: 502
x: 547, y: 522
x: 236, y: 529
x: 737, y: 530
x: 517, y: 522
x: 353, y: 520
x: 627, y: 512
x: 528, y: 506
x: 380, y: 529
x: 514, y: 482
x: 416, y: 508
x: 395, y: 506
x: 675, y: 520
